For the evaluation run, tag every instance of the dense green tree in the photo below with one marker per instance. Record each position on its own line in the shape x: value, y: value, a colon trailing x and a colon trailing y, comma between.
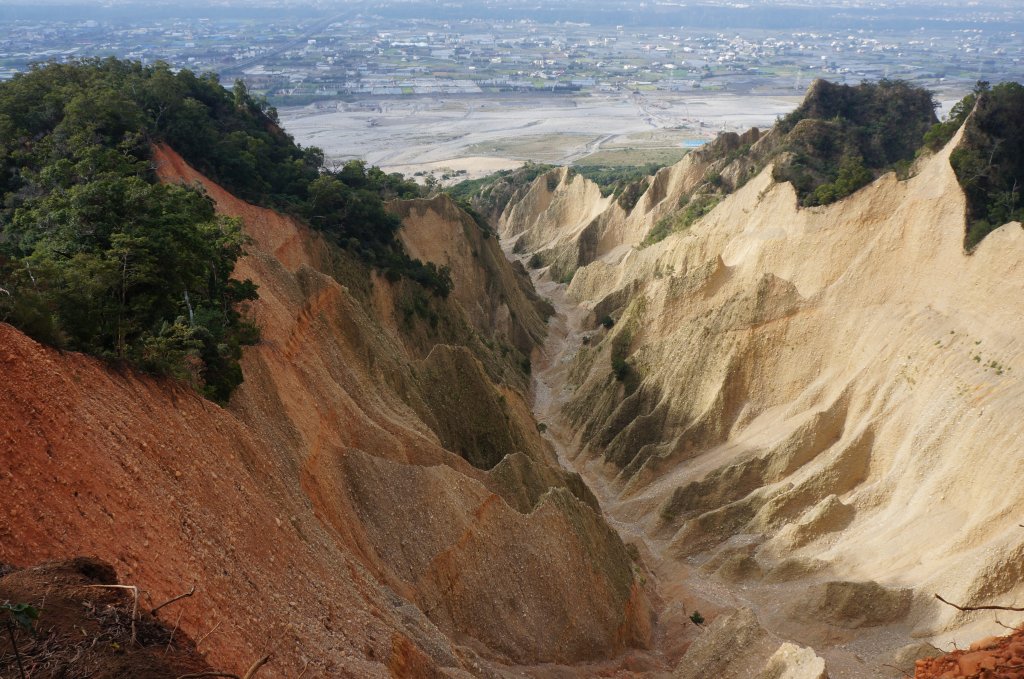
x: 842, y: 136
x: 942, y: 132
x: 96, y: 255
x: 852, y: 175
x: 989, y: 163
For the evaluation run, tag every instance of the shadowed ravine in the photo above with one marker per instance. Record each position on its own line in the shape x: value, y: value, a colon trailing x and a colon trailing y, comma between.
x: 674, y: 587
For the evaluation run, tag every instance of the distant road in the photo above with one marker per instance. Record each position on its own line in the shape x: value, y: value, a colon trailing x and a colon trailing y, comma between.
x: 315, y: 28
x: 592, y: 147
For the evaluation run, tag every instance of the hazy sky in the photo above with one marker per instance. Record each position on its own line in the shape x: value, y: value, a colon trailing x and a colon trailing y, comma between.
x: 325, y: 3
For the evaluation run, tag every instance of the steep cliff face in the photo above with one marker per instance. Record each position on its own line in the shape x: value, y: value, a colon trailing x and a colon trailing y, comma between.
x: 340, y: 510
x: 497, y: 298
x: 823, y: 396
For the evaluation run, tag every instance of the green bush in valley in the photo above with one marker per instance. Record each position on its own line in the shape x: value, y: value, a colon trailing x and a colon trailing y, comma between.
x: 620, y: 368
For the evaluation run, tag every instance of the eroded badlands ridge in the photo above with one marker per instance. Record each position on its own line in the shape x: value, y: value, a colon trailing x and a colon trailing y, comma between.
x: 801, y: 421
x: 811, y: 412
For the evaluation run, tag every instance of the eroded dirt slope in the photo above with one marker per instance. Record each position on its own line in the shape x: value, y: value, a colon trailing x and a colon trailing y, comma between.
x: 345, y: 510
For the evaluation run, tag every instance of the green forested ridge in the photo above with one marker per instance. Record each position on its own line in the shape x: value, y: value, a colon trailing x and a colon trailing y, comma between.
x: 616, y: 180
x: 841, y: 137
x: 97, y: 256
x: 989, y: 162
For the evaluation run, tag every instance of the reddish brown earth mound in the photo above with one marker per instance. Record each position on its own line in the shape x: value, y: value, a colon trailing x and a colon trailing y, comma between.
x: 86, y: 628
x: 992, y: 658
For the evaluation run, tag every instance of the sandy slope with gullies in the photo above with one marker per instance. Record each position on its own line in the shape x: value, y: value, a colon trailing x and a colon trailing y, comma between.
x: 820, y: 418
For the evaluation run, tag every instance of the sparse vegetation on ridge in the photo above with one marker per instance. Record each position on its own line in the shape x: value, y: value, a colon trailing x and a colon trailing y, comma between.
x: 489, y: 195
x: 614, y: 180
x: 838, y: 140
x: 941, y: 132
x: 690, y: 211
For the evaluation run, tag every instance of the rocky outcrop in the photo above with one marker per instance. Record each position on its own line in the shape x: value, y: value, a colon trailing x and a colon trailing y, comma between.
x: 854, y: 604
x: 999, y: 657
x: 497, y: 298
x: 794, y: 662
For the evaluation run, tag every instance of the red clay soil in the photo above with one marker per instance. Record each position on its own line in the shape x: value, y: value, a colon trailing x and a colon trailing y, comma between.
x: 288, y: 241
x: 257, y: 506
x: 992, y: 658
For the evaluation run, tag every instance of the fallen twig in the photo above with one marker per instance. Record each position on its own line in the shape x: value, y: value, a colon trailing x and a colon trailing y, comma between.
x: 212, y: 630
x: 978, y: 608
x: 135, y: 601
x: 170, y: 639
x: 173, y: 599
x: 256, y: 667
x: 900, y: 670
x: 14, y: 645
x: 249, y: 674
x: 1004, y: 625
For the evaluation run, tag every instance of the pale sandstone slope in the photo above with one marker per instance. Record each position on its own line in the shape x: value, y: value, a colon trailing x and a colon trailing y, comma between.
x: 325, y: 511
x: 828, y: 393
x: 565, y: 221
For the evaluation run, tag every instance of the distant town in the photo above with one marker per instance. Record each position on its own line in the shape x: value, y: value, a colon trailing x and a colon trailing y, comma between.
x: 354, y: 51
x: 459, y: 88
